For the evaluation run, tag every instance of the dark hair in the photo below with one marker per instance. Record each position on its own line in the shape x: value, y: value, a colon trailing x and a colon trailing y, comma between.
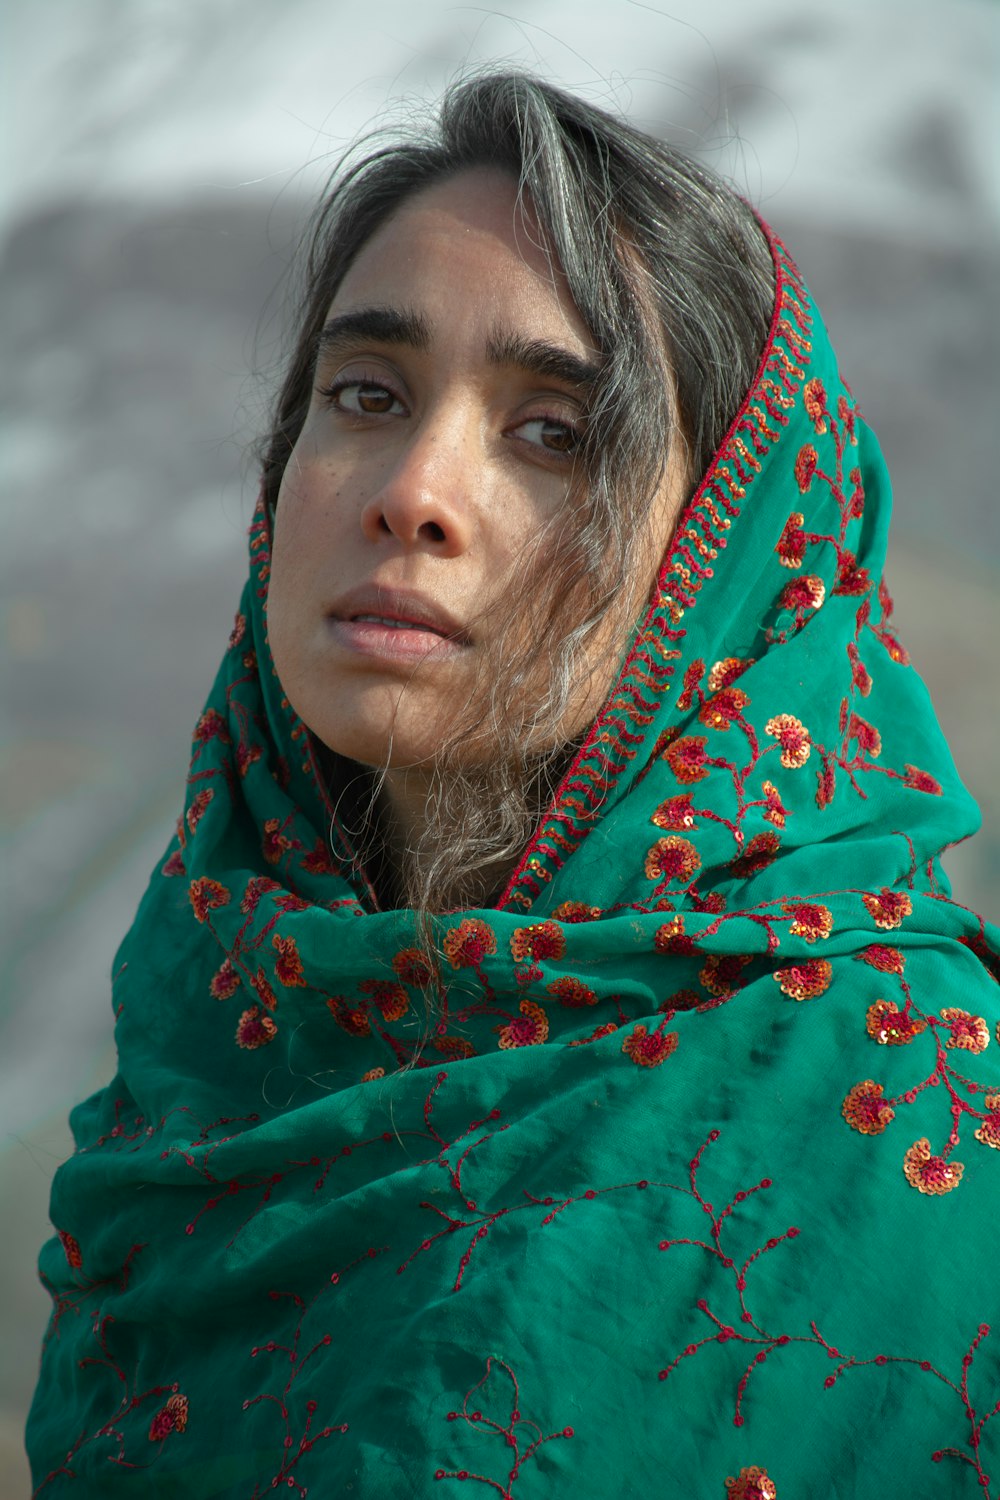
x: 674, y: 279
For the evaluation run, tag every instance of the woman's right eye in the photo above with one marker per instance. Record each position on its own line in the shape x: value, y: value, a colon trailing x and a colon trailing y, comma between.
x: 362, y: 398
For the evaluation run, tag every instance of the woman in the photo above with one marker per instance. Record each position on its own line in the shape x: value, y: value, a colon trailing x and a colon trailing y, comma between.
x: 549, y: 1057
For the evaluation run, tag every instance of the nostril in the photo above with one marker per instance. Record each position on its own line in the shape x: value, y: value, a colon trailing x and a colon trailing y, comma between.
x: 432, y: 531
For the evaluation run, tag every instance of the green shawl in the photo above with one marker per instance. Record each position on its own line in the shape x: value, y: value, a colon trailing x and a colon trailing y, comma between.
x: 690, y: 1186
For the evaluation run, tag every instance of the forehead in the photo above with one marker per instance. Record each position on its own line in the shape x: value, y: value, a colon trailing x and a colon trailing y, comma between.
x: 467, y: 249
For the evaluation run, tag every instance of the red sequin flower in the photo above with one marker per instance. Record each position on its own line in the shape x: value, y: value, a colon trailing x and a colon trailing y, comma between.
x: 866, y: 1109
x: 225, y: 981
x: 725, y: 672
x: 751, y: 1483
x: 274, y: 843
x: 775, y: 812
x: 888, y: 908
x: 569, y: 991
x: 413, y: 967
x: 671, y: 938
x: 686, y: 758
x: 288, y: 966
x: 852, y: 579
x: 930, y: 1174
x: 967, y: 1031
x: 265, y: 992
x: 170, y: 1418
x: 805, y: 466
x: 540, y: 941
x: 860, y: 675
x: 207, y: 895
x: 810, y: 920
x: 211, y: 726
x: 238, y: 631
x: 791, y: 547
x: 921, y: 781
x: 886, y: 960
x: 727, y: 705
x: 723, y: 973
x: 891, y: 1027
x: 391, y: 999
x: 259, y: 886
x: 761, y: 851
x: 469, y: 943
x: 806, y: 980
x: 576, y: 911
x: 814, y: 396
x: 527, y: 1030
x: 868, y: 738
x: 807, y: 592
x: 676, y: 813
x: 672, y: 858
x: 649, y: 1048
x: 196, y: 811
x: 73, y: 1253
x: 989, y: 1130
x: 793, y: 737
x: 255, y: 1028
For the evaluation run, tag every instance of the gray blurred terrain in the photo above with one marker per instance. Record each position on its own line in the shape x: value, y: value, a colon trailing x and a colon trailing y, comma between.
x: 142, y: 326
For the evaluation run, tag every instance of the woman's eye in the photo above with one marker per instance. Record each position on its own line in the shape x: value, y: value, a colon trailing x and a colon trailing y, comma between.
x: 363, y: 398
x: 545, y: 432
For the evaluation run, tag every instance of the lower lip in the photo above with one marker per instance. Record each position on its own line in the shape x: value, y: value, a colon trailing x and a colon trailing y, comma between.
x: 409, y: 644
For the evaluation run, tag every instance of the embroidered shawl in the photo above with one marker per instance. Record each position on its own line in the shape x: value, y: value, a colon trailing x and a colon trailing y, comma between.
x: 690, y: 1185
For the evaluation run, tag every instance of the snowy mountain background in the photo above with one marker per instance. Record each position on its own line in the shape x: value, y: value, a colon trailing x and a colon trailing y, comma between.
x: 159, y: 162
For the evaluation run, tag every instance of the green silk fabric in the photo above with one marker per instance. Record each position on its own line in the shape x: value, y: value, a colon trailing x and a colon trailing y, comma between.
x: 689, y: 1185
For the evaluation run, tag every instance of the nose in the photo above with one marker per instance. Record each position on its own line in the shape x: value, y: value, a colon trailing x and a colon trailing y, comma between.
x: 424, y: 498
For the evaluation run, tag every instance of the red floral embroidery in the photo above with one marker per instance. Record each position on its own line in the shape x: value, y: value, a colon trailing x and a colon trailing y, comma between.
x: 860, y: 675
x: 649, y: 1048
x: 672, y: 858
x: 866, y: 1109
x: 71, y: 1249
x: 247, y: 756
x: 207, y: 895
x: 989, y: 1130
x: 255, y: 1028
x: 805, y: 466
x: 526, y: 1030
x: 542, y: 940
x: 469, y: 943
x: 353, y: 1019
x: 675, y: 814
x: 319, y: 860
x: 868, y: 738
x: 775, y: 812
x: 727, y: 705
x: 753, y: 1483
x: 569, y: 991
x: 372, y: 1074
x: 686, y: 758
x: 967, y: 1031
x: 807, y: 592
x: 814, y: 396
x: 723, y: 973
x: 891, y: 1027
x: 810, y: 920
x: 852, y: 580
x: 671, y: 938
x: 793, y: 737
x: 761, y: 851
x: 225, y: 981
x: 274, y: 843
x: 288, y: 966
x: 454, y: 1046
x: 791, y: 548
x: 522, y: 1436
x: 413, y: 967
x: 239, y: 630
x: 259, y: 886
x: 930, y: 1174
x: 576, y: 911
x: 211, y: 726
x: 806, y: 980
x: 724, y: 673
x: 196, y: 811
x: 921, y: 781
x: 693, y: 673
x: 170, y: 1418
x: 264, y: 989
x: 888, y: 908
x: 886, y: 960
x: 391, y: 999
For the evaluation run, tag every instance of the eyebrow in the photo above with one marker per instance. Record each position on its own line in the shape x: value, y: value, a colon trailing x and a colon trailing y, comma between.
x: 504, y: 348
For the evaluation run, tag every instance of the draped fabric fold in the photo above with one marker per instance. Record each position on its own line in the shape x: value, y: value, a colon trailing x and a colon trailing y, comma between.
x: 689, y: 1178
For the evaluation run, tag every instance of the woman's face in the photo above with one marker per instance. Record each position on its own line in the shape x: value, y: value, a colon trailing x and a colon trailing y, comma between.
x: 448, y: 402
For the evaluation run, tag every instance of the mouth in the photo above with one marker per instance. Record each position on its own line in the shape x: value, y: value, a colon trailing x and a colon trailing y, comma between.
x: 381, y: 622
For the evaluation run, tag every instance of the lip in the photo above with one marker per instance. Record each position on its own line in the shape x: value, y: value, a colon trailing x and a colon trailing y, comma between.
x: 376, y: 620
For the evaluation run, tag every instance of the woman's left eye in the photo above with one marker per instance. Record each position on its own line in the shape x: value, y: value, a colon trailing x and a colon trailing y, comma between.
x: 546, y: 432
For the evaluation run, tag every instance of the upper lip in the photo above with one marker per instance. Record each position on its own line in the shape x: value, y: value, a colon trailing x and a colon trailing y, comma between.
x: 408, y: 606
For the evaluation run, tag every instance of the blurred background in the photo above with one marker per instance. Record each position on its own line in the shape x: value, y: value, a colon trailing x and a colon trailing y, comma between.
x: 161, y: 160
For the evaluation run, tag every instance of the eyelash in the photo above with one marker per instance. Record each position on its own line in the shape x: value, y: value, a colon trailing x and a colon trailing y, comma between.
x: 331, y: 393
